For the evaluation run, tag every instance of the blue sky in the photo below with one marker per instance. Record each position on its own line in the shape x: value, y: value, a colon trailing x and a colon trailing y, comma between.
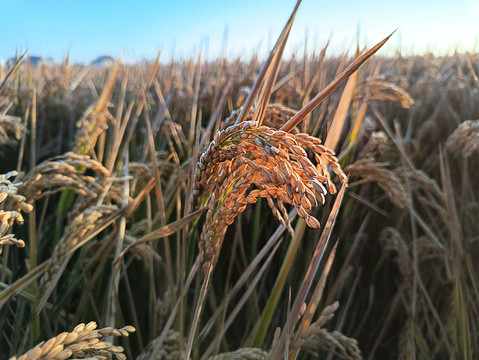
x: 89, y: 28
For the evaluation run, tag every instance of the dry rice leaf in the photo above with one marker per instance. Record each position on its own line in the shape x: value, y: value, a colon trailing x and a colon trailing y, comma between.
x: 337, y: 126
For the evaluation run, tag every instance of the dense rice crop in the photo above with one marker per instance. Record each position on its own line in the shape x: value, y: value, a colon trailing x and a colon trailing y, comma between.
x: 111, y: 215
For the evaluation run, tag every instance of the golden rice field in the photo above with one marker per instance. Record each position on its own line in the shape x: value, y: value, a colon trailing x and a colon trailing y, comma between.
x: 235, y: 209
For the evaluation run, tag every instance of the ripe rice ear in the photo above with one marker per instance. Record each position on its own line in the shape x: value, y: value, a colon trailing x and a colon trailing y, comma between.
x: 384, y: 176
x: 75, y: 235
x: 11, y: 207
x: 242, y: 354
x: 464, y: 141
x: 334, y: 342
x: 84, y: 340
x: 65, y: 172
x: 11, y: 129
x: 376, y: 89
x: 272, y: 160
x: 172, y: 347
x: 314, y: 336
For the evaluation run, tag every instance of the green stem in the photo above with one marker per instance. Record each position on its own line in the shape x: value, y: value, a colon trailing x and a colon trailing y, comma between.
x: 266, y: 316
x: 256, y: 228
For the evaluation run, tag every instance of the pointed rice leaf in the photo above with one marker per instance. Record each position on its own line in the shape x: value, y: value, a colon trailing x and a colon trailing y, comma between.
x: 266, y: 69
x: 300, y: 115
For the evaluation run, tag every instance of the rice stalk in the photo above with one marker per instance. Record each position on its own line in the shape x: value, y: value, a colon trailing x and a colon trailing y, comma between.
x: 278, y: 287
x: 319, y: 251
x: 313, y: 304
x: 269, y: 249
x: 115, y: 278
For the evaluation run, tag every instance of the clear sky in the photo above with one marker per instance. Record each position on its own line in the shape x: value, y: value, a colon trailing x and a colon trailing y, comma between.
x: 89, y: 28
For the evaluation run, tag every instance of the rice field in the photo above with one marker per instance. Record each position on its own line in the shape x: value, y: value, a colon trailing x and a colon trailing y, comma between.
x: 241, y: 209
